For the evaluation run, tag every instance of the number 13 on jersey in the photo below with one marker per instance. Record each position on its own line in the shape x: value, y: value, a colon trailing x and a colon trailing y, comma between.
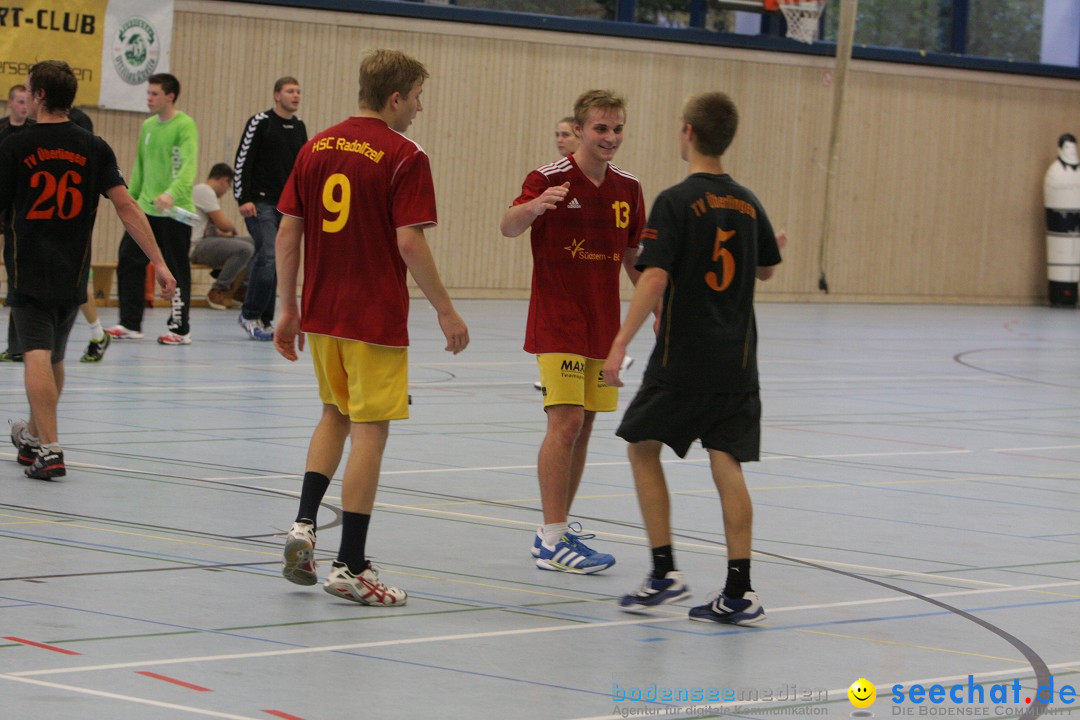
x: 622, y: 213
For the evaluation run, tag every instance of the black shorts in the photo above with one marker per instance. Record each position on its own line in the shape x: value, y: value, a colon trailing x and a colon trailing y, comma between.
x: 43, y: 326
x: 727, y: 422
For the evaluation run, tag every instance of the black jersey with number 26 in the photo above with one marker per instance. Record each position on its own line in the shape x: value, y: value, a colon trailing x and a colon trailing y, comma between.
x: 710, y: 234
x: 51, y: 177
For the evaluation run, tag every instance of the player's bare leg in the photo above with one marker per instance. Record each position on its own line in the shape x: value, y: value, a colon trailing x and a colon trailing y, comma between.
x: 556, y: 459
x: 652, y: 490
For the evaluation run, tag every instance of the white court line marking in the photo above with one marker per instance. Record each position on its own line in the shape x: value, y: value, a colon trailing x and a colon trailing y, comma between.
x: 842, y: 692
x: 1044, y: 447
x: 612, y: 463
x: 491, y: 634
x: 128, y: 698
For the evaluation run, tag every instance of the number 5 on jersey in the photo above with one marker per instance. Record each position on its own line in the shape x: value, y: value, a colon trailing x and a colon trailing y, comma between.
x: 336, y: 195
x: 725, y: 258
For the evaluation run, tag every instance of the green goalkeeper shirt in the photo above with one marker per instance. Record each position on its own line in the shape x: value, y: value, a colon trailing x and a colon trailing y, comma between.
x: 165, y: 162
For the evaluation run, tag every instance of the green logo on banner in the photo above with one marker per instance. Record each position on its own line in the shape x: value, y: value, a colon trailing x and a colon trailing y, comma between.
x: 136, y: 51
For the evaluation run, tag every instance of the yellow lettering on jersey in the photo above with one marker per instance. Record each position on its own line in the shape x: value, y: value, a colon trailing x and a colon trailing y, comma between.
x: 343, y: 145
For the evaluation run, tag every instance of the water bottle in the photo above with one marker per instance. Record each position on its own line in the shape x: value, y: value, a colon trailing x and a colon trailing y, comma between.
x: 181, y: 215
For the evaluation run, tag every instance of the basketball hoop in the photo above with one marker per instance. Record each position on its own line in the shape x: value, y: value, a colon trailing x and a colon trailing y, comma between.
x: 802, y: 17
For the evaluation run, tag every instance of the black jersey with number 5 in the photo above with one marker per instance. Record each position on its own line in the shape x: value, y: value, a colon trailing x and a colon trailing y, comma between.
x: 710, y: 234
x: 51, y: 177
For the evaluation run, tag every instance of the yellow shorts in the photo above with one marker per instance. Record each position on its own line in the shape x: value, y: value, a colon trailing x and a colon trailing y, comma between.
x: 369, y: 383
x: 575, y: 380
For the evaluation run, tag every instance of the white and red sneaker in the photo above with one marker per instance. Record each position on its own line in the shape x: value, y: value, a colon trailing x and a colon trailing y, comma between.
x: 122, y: 333
x: 174, y: 339
x: 298, y: 565
x: 365, y: 588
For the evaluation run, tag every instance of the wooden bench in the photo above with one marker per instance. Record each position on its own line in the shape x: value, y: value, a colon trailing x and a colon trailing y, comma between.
x: 104, y: 272
x: 103, y: 280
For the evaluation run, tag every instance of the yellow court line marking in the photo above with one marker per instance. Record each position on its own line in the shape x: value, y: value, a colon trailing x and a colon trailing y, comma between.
x: 178, y: 541
x: 575, y: 627
x: 528, y: 591
x: 879, y: 641
x: 699, y: 546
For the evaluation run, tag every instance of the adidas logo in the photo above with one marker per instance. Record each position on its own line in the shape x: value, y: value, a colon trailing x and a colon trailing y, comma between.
x: 573, y: 204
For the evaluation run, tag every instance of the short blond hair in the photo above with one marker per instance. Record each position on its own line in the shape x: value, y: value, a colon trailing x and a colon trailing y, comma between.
x: 384, y: 72
x: 597, y: 100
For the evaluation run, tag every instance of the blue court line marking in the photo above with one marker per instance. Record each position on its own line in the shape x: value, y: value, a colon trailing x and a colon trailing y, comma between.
x: 924, y: 473
x: 878, y: 518
x: 161, y: 623
x: 132, y: 551
x: 523, y: 681
x: 857, y: 621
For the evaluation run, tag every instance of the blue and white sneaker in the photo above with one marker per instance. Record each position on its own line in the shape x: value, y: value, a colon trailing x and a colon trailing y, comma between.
x: 654, y: 593
x: 573, y: 530
x: 256, y: 330
x: 746, y: 610
x: 570, y: 555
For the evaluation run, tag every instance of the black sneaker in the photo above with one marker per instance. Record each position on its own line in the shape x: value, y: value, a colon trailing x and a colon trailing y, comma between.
x: 95, y: 351
x: 47, y: 465
x: 27, y: 451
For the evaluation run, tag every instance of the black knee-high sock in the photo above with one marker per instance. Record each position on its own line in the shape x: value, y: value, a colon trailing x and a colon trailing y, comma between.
x: 738, y: 578
x: 354, y: 527
x: 663, y: 561
x: 311, y: 495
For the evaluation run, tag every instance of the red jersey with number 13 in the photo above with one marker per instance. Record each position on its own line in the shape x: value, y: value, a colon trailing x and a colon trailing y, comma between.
x: 577, y: 255
x: 354, y: 184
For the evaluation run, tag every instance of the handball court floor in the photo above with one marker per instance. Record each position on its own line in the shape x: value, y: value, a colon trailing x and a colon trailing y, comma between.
x: 917, y: 521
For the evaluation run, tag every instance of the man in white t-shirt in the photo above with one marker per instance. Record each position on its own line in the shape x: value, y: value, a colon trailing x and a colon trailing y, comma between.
x: 213, y: 239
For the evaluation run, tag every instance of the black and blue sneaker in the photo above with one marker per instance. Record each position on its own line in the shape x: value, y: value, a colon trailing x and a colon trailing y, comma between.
x: 746, y: 610
x: 654, y: 593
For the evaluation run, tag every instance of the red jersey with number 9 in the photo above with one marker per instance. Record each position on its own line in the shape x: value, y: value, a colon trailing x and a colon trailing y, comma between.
x: 577, y: 253
x: 354, y: 184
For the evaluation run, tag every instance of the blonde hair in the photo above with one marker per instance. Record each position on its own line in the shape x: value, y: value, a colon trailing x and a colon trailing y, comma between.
x: 597, y: 100
x: 385, y: 72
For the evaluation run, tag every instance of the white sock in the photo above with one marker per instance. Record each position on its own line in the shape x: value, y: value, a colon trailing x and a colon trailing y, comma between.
x: 51, y: 447
x: 552, y: 533
x: 97, y: 333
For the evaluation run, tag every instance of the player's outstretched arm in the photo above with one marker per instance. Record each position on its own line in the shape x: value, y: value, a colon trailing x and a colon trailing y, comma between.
x: 519, y: 218
x: 647, y: 293
x: 136, y: 224
x: 287, y: 335
x: 417, y: 256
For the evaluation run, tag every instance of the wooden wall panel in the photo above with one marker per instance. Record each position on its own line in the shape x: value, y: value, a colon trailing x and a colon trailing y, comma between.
x: 941, y: 176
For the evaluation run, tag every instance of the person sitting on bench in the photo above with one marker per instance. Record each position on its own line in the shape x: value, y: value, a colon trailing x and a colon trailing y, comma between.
x: 214, y: 241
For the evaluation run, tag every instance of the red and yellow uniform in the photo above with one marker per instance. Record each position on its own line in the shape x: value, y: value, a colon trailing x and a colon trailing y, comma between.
x: 577, y: 255
x: 354, y: 185
x: 578, y: 250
